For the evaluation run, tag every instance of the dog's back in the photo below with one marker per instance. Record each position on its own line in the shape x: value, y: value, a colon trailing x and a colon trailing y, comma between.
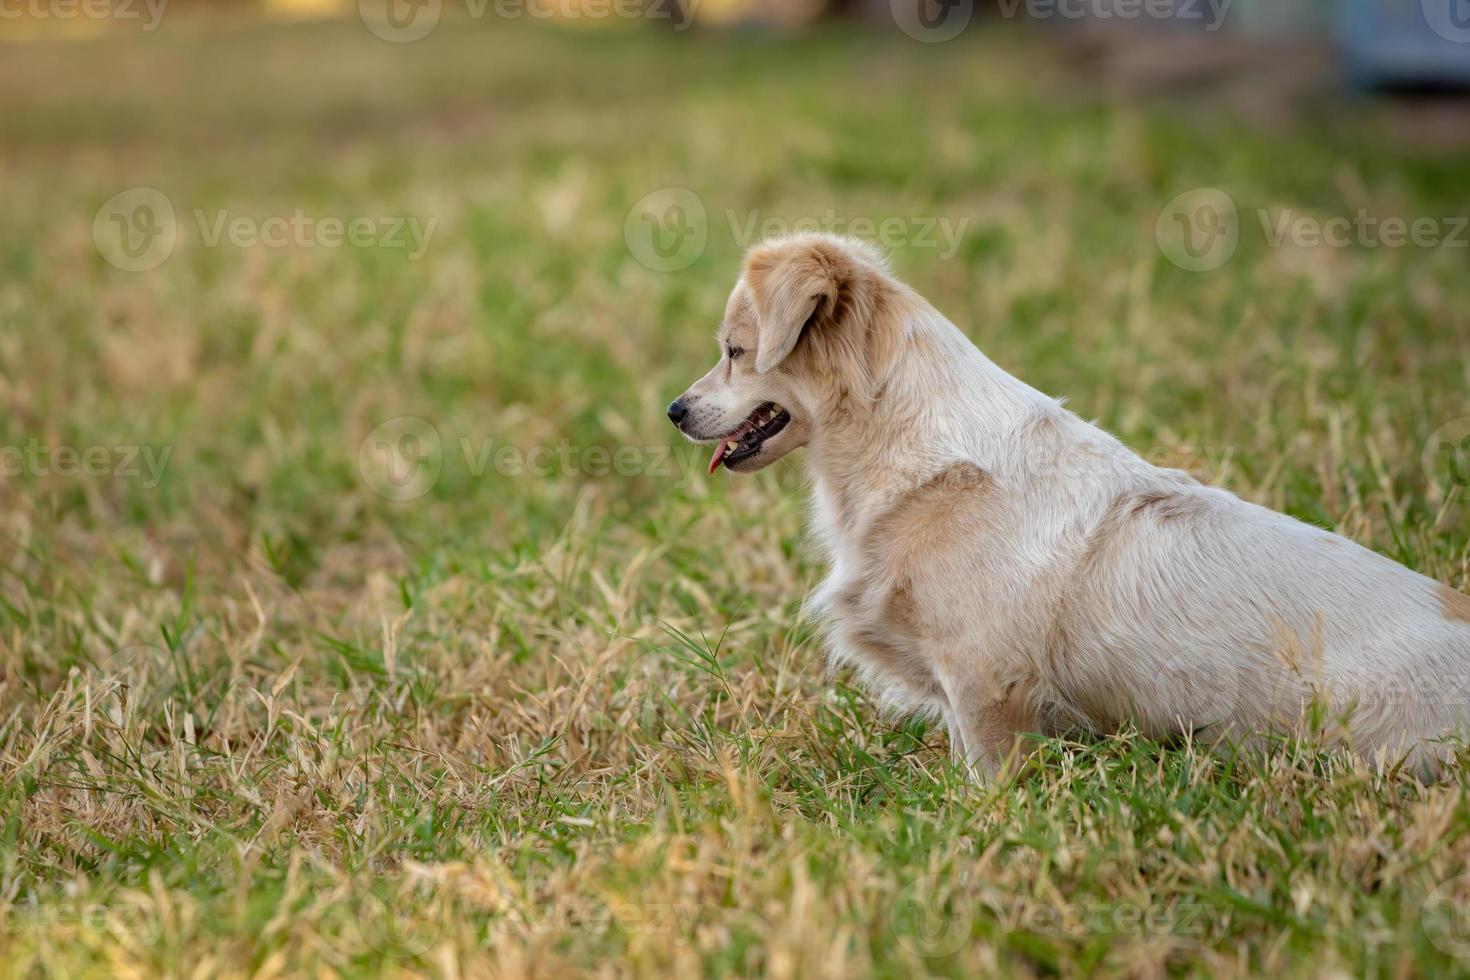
x: 1194, y: 607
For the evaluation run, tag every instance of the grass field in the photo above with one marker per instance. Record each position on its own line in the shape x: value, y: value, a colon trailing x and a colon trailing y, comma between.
x: 360, y: 612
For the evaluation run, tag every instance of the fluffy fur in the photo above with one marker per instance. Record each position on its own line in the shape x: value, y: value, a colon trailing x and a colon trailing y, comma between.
x: 1001, y: 563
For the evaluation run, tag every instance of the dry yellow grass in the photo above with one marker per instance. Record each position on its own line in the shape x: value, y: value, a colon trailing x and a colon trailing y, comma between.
x: 258, y: 718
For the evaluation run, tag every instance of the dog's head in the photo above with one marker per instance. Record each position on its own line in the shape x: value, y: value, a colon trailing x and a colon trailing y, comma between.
x: 798, y: 336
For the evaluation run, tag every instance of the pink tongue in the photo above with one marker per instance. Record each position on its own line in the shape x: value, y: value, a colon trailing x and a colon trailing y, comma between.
x: 722, y: 450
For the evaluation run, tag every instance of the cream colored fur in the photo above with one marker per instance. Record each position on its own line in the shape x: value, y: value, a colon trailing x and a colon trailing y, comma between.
x: 999, y: 562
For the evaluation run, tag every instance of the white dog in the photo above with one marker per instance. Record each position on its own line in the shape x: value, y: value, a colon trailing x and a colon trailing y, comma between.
x: 999, y: 562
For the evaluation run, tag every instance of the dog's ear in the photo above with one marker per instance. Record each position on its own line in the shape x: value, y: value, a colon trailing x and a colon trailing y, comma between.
x: 794, y: 284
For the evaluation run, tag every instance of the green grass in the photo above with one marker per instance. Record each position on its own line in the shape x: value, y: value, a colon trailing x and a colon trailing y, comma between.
x: 257, y: 718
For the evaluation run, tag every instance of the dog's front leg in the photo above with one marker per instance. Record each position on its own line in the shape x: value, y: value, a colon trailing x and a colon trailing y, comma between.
x: 988, y: 722
x: 957, y: 754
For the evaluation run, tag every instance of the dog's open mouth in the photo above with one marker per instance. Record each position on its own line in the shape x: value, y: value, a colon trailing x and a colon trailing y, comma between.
x: 750, y: 435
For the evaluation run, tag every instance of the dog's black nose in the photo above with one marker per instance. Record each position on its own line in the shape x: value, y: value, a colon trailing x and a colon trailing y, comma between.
x: 677, y: 411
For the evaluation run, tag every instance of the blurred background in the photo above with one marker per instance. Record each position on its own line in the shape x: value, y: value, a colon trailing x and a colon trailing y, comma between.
x: 498, y: 209
x: 1395, y: 44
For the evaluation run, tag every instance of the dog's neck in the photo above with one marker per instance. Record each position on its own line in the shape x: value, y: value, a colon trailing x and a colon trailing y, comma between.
x: 939, y: 400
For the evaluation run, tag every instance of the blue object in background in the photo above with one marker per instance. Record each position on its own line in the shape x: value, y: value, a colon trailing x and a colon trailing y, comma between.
x: 1405, y: 43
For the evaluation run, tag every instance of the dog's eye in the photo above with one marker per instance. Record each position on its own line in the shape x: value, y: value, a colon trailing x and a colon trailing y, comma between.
x: 734, y: 352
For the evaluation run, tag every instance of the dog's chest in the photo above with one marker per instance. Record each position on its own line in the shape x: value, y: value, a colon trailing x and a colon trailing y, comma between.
x: 872, y: 626
x: 871, y: 616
